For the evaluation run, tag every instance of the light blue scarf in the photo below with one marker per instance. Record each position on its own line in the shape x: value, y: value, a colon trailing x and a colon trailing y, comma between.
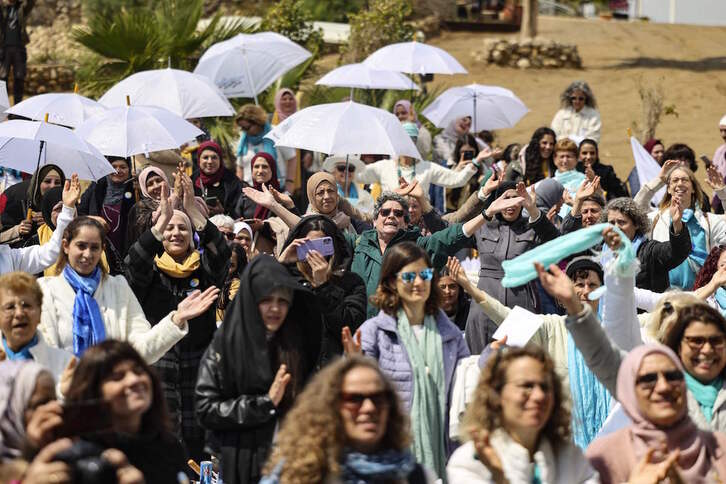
x: 571, y: 181
x: 704, y: 393
x: 23, y: 353
x: 268, y: 146
x: 88, y: 325
x: 684, y: 276
x: 720, y: 298
x: 353, y: 192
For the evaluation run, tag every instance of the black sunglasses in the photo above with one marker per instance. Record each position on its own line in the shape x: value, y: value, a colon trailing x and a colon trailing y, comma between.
x: 379, y: 399
x: 649, y: 380
x: 341, y: 168
x: 397, y: 212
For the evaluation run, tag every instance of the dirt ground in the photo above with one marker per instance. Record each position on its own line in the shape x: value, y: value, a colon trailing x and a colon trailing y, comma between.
x: 686, y: 60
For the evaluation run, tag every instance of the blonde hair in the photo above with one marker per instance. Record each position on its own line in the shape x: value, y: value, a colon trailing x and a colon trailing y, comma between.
x: 666, y: 313
x: 252, y: 113
x: 22, y: 283
x: 697, y: 198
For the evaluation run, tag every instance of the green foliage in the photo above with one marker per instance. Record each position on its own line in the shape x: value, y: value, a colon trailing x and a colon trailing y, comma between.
x: 333, y: 10
x: 382, y: 24
x: 128, y: 40
x: 291, y: 19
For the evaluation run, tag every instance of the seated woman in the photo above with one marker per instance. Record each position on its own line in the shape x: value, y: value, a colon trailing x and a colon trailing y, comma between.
x: 417, y: 347
x: 519, y: 426
x: 163, y: 267
x: 349, y: 412
x: 83, y: 306
x: 589, y: 157
x: 578, y: 118
x: 241, y: 395
x: 113, y: 371
x: 341, y: 293
x: 219, y: 188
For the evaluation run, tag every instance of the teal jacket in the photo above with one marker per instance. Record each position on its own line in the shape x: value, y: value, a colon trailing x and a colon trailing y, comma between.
x: 367, y: 256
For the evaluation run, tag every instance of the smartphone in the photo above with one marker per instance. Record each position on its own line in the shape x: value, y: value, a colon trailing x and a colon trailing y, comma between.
x: 706, y: 161
x: 85, y: 417
x: 211, y: 201
x: 468, y: 155
x: 323, y: 245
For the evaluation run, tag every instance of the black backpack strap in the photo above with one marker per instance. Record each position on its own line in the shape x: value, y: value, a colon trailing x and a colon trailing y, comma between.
x: 417, y: 475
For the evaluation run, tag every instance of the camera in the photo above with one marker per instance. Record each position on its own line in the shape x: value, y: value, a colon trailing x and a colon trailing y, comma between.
x: 87, y: 465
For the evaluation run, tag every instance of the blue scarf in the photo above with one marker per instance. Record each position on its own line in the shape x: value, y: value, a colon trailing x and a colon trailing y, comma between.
x: 704, y: 393
x: 684, y: 276
x: 394, y: 465
x: 268, y: 146
x: 720, y: 298
x: 23, y: 353
x: 571, y: 181
x: 353, y: 192
x: 88, y: 326
x: 606, y: 255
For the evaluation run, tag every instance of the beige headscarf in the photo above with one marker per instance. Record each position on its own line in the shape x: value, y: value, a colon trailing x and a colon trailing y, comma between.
x: 342, y: 221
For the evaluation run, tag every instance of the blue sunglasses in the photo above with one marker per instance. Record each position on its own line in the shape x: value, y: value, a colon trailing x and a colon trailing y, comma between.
x: 425, y: 275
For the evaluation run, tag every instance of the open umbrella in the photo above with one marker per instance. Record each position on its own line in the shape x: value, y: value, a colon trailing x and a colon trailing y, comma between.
x: 414, y: 58
x: 64, y: 108
x: 4, y: 101
x: 247, y: 64
x: 345, y: 127
x: 490, y: 107
x: 183, y: 93
x: 362, y: 76
x: 131, y: 130
x: 27, y: 145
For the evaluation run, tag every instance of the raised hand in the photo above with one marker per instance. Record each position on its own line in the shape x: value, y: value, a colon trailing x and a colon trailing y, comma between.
x: 282, y: 198
x: 67, y: 375
x: 529, y: 198
x: 559, y: 286
x: 714, y: 179
x: 589, y: 172
x: 188, y: 200
x: 404, y: 187
x: 264, y: 197
x: 667, y: 167
x: 553, y: 211
x: 612, y: 238
x: 676, y: 213
x: 277, y: 389
x: 588, y: 188
x: 457, y: 272
x: 487, y: 455
x: 351, y: 345
x: 491, y: 185
x: 647, y: 472
x: 321, y: 269
x: 166, y: 211
x: 71, y: 192
x: 195, y: 305
x: 289, y: 255
x: 502, y: 203
x: 498, y: 344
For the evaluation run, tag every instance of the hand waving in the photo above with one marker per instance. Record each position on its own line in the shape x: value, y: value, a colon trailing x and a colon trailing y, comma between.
x: 71, y: 192
x: 195, y: 305
x: 491, y: 185
x: 667, y: 167
x: 588, y: 188
x: 166, y: 211
x: 714, y: 179
x: 264, y: 197
x: 529, y: 198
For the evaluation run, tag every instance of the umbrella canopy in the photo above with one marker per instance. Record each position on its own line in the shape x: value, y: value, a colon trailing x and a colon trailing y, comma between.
x: 4, y: 101
x: 414, y: 58
x: 64, y: 108
x: 361, y: 76
x: 133, y: 130
x: 183, y: 93
x: 26, y: 145
x: 247, y: 64
x: 490, y: 107
x: 345, y: 127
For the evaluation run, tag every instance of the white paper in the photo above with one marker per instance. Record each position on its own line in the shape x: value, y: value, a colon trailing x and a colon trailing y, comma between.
x: 519, y: 326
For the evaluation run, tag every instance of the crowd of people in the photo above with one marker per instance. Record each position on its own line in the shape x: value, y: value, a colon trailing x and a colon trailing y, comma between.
x: 299, y: 317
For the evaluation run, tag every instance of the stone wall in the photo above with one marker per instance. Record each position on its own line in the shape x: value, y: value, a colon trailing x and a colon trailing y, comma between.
x: 46, y: 12
x: 534, y: 53
x: 42, y: 78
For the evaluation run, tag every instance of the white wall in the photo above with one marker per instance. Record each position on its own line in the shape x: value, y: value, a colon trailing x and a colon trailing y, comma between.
x: 698, y: 12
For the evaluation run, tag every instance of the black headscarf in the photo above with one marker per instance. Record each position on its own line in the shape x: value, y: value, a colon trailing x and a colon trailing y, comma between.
x: 343, y: 254
x: 50, y: 200
x: 242, y: 339
x: 34, y: 196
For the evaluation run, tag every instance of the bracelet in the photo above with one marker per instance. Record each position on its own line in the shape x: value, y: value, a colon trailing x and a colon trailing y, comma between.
x: 484, y: 214
x: 289, y: 180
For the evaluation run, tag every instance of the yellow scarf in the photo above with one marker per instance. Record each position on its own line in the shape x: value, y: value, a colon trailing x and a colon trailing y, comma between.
x: 44, y: 235
x: 174, y: 269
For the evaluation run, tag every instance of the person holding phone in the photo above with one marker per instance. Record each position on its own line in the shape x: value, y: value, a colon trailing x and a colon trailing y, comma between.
x: 341, y: 293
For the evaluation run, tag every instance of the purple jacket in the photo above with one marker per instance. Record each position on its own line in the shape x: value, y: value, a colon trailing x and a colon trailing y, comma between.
x: 379, y: 339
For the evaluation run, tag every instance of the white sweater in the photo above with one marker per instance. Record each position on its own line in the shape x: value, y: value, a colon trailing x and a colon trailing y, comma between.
x: 122, y: 314
x: 36, y: 258
x: 583, y: 124
x: 563, y: 465
x: 385, y: 172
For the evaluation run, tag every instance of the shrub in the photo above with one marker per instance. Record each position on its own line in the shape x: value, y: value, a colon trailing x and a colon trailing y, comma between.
x: 382, y: 24
x: 291, y: 19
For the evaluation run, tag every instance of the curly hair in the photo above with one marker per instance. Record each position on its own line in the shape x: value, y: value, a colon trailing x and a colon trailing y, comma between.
x: 701, y: 312
x: 578, y: 86
x: 697, y: 197
x: 311, y: 439
x: 397, y: 256
x: 532, y: 158
x: 485, y: 411
x: 391, y: 196
x: 710, y: 266
x: 630, y: 209
x: 252, y: 113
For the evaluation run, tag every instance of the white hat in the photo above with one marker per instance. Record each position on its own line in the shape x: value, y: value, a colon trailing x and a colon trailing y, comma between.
x: 723, y: 121
x: 240, y: 226
x: 333, y: 160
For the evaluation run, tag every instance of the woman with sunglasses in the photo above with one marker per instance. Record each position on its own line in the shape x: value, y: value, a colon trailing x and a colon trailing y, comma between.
x: 163, y: 267
x: 696, y: 334
x: 343, y: 168
x: 351, y: 414
x: 417, y: 347
x: 578, y: 117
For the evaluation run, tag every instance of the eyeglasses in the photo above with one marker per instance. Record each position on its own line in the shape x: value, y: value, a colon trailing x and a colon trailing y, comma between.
x: 717, y: 342
x: 649, y: 380
x: 397, y: 212
x: 425, y: 275
x: 228, y: 235
x: 577, y: 98
x: 354, y: 401
x: 527, y: 387
x: 25, y: 307
x: 341, y: 168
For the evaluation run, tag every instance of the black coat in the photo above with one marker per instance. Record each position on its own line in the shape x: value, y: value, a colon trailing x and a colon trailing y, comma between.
x: 609, y: 181
x: 658, y: 258
x: 92, y: 204
x: 232, y: 191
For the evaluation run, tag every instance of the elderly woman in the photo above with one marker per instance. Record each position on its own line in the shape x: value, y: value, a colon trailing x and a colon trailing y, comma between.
x: 219, y: 188
x: 405, y: 112
x: 519, y: 426
x: 578, y: 117
x: 324, y: 199
x: 343, y: 168
x: 349, y: 412
x: 417, y: 347
x: 706, y: 229
x: 252, y: 120
x: 163, y: 266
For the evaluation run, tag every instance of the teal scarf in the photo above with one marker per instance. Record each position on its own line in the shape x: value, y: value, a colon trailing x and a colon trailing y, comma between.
x: 704, y: 393
x: 571, y: 181
x: 268, y: 146
x: 425, y: 354
x: 23, y: 353
x: 684, y: 276
x: 720, y: 297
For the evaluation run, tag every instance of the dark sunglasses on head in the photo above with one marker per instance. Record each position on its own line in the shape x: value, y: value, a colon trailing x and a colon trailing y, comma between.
x: 341, y: 168
x: 356, y: 400
x: 397, y: 212
x: 650, y: 379
x: 410, y: 276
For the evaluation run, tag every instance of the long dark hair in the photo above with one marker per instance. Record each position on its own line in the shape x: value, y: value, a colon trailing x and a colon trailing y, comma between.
x: 97, y: 364
x: 397, y: 256
x: 533, y: 160
x: 467, y: 139
x: 71, y: 232
x: 701, y: 312
x: 710, y: 266
x: 241, y: 264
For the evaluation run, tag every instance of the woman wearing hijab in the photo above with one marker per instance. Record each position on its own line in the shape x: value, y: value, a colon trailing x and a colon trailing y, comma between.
x: 404, y: 111
x: 219, y: 188
x: 286, y: 106
x: 264, y: 173
x: 26, y: 196
x: 112, y: 198
x: 163, y: 267
x: 145, y: 212
x: 445, y: 142
x: 324, y: 199
x: 257, y: 363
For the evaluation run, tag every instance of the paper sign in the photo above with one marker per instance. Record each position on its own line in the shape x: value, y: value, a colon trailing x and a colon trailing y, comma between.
x: 519, y: 326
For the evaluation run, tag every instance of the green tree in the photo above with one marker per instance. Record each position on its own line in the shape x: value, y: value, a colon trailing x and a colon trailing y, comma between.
x: 333, y: 10
x: 291, y: 19
x: 383, y: 23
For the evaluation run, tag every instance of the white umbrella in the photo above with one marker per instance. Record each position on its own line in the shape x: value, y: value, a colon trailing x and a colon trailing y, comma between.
x: 27, y: 145
x: 362, y: 76
x: 64, y: 108
x: 345, y: 127
x: 183, y: 93
x: 490, y: 107
x: 4, y: 101
x: 247, y: 64
x: 414, y: 58
x: 133, y: 130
